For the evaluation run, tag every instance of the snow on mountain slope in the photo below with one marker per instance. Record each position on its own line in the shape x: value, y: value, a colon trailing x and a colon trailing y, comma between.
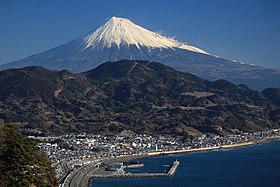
x: 121, y: 31
x: 120, y: 39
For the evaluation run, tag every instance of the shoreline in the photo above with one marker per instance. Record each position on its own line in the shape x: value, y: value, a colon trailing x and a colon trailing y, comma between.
x: 185, y: 151
x: 206, y: 149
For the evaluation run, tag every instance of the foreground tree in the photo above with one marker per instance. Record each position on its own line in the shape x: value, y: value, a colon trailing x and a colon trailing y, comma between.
x: 21, y: 161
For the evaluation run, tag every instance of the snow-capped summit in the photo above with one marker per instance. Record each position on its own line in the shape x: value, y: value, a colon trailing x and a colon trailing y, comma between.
x: 121, y: 31
x: 120, y: 38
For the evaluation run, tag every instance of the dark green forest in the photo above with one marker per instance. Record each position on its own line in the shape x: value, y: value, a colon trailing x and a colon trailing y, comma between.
x: 21, y: 161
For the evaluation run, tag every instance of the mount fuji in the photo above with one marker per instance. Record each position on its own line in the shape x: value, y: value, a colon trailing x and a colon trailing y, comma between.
x: 120, y: 38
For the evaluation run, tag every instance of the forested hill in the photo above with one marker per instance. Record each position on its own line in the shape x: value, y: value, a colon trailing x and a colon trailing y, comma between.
x: 140, y: 96
x: 21, y: 162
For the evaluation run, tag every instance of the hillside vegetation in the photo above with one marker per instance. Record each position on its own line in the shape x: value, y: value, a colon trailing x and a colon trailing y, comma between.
x: 21, y: 162
x: 139, y: 96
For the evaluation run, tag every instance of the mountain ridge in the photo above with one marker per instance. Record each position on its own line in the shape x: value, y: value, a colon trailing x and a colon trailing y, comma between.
x: 142, y: 96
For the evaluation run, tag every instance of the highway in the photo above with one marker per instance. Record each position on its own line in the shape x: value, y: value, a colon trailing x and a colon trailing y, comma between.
x: 79, y: 177
x: 66, y: 171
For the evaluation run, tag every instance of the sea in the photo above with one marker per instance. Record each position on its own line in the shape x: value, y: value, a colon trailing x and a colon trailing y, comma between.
x: 253, y: 166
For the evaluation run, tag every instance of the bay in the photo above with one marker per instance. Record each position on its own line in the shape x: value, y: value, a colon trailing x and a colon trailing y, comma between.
x: 255, y: 166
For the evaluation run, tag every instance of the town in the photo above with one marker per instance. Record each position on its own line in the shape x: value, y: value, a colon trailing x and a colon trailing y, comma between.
x: 69, y: 152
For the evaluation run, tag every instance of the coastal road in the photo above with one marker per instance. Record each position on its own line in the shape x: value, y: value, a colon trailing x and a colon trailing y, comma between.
x: 79, y: 178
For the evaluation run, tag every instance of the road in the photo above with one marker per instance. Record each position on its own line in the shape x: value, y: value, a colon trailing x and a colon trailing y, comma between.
x: 80, y: 178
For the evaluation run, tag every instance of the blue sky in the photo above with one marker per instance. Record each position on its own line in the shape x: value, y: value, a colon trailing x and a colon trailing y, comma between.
x: 243, y: 30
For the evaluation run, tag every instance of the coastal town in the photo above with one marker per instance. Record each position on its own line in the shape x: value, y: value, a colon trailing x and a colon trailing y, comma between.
x: 69, y: 153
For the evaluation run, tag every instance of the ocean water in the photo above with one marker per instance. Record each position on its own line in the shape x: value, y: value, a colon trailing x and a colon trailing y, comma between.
x: 254, y: 166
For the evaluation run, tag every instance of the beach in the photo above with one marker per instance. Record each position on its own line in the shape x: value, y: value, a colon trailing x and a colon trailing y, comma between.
x: 230, y: 146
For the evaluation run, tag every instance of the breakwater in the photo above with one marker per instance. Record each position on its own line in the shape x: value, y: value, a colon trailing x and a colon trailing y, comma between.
x: 132, y: 175
x: 173, y: 168
x: 170, y: 172
x: 134, y: 166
